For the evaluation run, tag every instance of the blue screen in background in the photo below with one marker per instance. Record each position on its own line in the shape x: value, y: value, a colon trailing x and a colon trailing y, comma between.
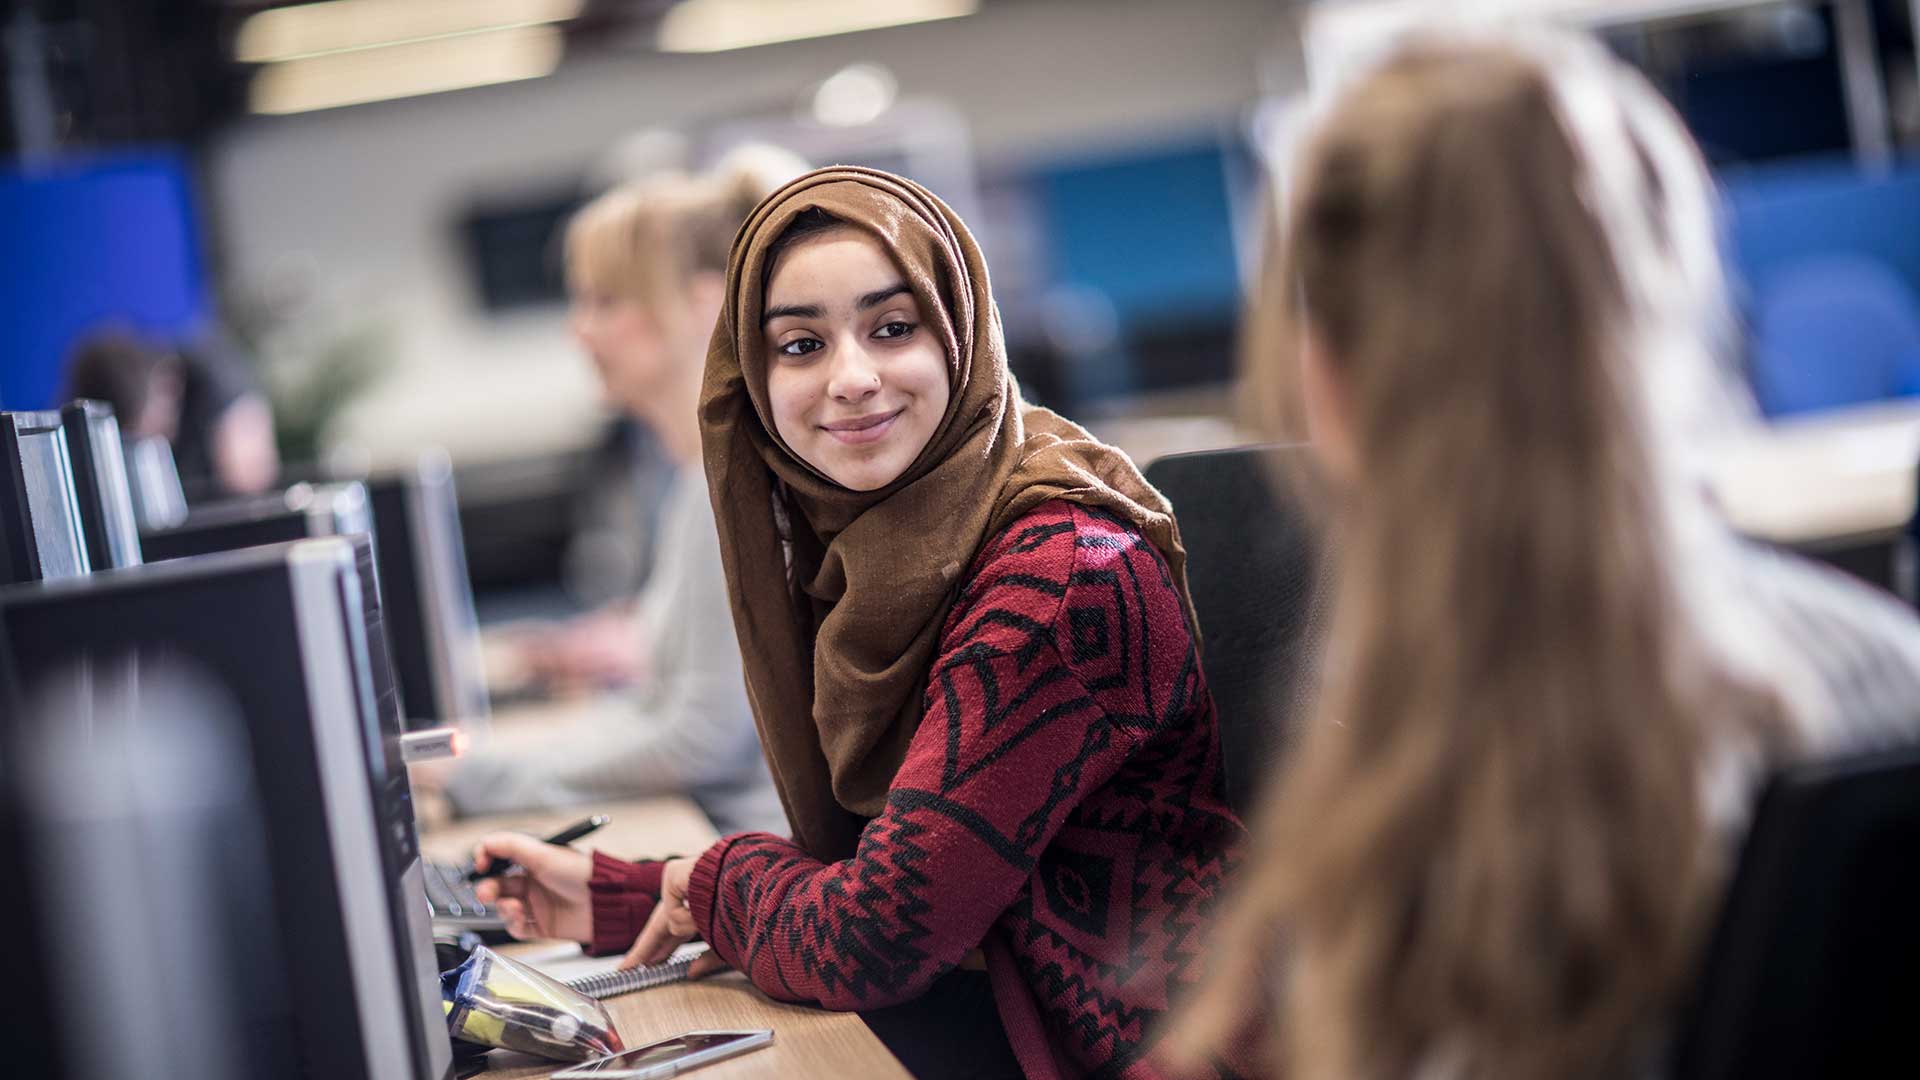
x: 88, y: 242
x: 1826, y: 261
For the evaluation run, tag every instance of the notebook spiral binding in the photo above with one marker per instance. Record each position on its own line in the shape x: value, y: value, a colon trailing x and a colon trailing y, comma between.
x: 610, y: 983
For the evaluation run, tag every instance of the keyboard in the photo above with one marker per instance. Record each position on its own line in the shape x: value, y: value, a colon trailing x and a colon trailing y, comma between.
x: 451, y: 897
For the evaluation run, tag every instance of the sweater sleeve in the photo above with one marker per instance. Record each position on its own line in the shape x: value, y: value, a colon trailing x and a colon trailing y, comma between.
x: 1011, y: 741
x: 622, y: 895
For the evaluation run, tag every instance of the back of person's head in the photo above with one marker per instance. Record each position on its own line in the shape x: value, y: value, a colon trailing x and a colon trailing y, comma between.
x: 120, y: 369
x: 648, y: 239
x: 1490, y: 853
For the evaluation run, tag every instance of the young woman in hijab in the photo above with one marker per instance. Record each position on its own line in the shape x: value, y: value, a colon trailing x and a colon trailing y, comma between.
x: 968, y: 646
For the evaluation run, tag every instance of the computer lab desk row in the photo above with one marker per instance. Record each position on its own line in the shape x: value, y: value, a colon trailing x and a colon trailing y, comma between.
x: 806, y: 1042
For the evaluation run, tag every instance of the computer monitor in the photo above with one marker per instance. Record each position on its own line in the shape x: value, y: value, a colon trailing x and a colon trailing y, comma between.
x: 428, y: 598
x: 100, y: 484
x: 143, y: 778
x: 153, y: 479
x: 297, y: 513
x: 283, y: 629
x: 40, y: 538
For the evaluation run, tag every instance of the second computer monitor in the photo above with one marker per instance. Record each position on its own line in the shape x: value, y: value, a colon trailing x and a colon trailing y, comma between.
x: 100, y: 484
x: 40, y: 533
x: 300, y: 512
x: 427, y: 595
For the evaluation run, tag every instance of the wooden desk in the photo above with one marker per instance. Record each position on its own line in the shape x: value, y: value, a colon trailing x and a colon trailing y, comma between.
x: 806, y: 1042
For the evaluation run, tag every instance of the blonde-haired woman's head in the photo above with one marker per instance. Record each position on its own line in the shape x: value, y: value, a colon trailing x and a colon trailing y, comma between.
x: 1489, y: 851
x: 646, y: 271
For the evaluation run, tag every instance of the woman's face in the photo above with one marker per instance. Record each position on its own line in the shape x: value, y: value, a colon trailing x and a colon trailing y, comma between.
x: 856, y: 380
x: 626, y: 342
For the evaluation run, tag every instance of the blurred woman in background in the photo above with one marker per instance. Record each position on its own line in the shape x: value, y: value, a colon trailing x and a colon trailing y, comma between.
x: 200, y: 398
x: 1553, y: 677
x: 646, y: 267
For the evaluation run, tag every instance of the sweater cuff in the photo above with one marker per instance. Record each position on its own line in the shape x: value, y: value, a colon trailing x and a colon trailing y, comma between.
x: 623, y: 895
x: 703, y: 889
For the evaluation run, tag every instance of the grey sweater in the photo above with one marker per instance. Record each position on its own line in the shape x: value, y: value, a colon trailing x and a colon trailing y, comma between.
x: 686, y: 730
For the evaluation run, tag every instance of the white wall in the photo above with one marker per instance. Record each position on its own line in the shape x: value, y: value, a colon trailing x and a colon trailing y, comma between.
x: 368, y: 194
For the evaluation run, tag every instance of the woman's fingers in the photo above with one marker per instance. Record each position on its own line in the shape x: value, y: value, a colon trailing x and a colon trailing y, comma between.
x: 662, y: 934
x: 708, y: 963
x: 513, y: 913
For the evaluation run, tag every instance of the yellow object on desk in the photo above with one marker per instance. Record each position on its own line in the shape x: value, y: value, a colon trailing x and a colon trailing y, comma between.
x: 807, y: 1041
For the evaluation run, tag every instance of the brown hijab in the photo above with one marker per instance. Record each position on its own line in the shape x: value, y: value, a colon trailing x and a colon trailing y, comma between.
x: 839, y: 641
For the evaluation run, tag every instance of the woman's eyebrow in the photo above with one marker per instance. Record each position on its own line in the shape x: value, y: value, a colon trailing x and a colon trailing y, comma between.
x: 804, y: 311
x: 881, y: 296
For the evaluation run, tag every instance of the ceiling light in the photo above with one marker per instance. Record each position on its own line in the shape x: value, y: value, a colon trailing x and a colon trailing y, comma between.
x: 856, y: 94
x: 420, y: 67
x: 289, y: 33
x: 718, y: 25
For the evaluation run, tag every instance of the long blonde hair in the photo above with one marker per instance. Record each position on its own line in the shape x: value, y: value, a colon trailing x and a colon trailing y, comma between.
x: 647, y: 238
x: 1490, y: 854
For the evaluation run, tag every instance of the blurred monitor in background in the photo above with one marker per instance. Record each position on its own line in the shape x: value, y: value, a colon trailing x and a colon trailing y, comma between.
x: 200, y: 398
x: 40, y: 533
x: 153, y: 482
x: 425, y: 594
x: 299, y: 512
x: 100, y: 484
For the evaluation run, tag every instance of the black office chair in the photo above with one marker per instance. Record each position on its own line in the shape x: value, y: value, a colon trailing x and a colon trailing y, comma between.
x: 1252, y: 566
x: 1814, y: 968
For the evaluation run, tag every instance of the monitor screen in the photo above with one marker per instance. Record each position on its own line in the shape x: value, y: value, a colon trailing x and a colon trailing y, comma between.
x: 100, y: 482
x: 44, y: 514
x: 278, y: 628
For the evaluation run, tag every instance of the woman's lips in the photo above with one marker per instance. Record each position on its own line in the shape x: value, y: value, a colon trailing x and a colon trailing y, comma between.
x: 864, y: 429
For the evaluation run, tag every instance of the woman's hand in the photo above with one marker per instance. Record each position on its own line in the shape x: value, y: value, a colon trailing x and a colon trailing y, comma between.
x: 548, y: 900
x: 671, y: 924
x: 602, y: 649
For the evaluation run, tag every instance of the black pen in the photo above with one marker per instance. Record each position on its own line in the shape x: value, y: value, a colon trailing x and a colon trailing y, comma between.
x: 562, y: 838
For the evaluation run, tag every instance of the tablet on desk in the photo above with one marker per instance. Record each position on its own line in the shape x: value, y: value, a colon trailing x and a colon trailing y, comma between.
x: 669, y: 1057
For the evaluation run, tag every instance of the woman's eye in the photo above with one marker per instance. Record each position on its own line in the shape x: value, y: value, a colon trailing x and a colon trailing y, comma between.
x: 894, y: 330
x: 800, y: 346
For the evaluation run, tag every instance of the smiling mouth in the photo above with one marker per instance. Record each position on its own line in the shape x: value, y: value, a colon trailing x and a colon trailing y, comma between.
x: 863, y: 429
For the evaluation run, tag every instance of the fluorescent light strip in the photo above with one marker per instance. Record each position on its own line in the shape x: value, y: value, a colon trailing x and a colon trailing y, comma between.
x: 422, y: 67
x: 291, y: 33
x: 696, y: 26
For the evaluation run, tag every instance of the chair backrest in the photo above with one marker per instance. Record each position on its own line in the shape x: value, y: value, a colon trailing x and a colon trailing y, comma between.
x: 1253, y: 568
x: 1812, y: 969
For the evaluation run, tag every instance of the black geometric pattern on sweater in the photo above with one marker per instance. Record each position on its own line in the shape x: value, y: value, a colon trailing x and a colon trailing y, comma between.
x: 1033, y: 537
x: 834, y: 936
x: 975, y: 660
x: 1089, y: 628
x: 1078, y: 885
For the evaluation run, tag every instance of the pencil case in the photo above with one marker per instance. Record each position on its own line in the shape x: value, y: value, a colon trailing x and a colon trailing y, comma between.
x: 496, y: 1001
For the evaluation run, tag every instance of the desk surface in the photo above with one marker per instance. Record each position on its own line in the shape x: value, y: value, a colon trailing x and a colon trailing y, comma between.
x: 806, y: 1042
x: 1824, y: 477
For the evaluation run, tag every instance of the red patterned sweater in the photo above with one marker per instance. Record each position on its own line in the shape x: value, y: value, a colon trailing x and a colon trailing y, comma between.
x: 1060, y: 807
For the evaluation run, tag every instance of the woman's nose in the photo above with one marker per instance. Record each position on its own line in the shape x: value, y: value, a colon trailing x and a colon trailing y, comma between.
x: 854, y: 376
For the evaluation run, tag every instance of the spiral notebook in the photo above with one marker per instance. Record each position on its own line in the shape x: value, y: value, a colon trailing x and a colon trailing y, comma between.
x: 608, y: 984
